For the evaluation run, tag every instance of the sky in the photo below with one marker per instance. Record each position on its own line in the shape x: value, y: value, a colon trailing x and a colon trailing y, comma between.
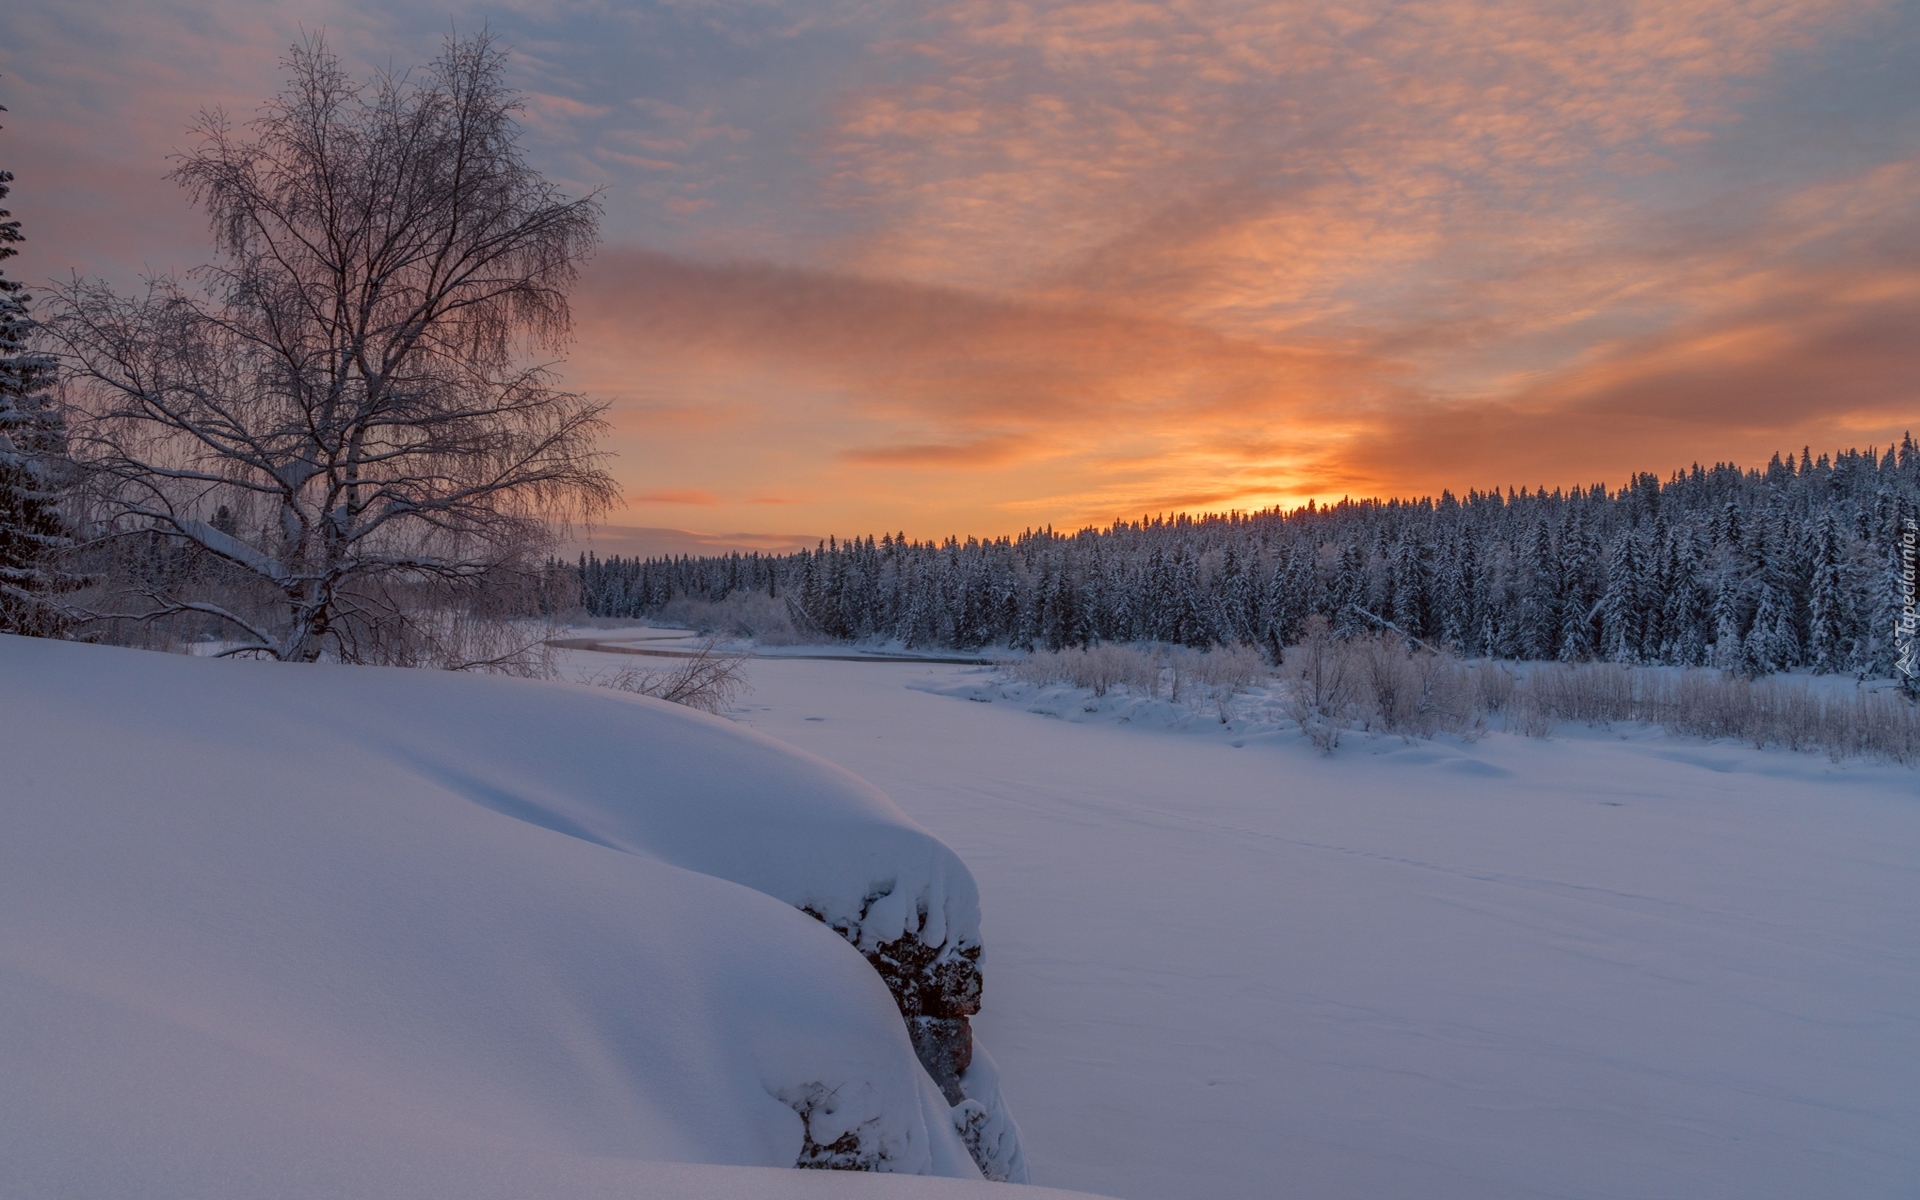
x: 974, y: 267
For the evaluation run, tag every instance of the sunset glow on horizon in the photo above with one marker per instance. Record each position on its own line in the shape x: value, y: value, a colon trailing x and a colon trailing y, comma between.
x: 974, y: 267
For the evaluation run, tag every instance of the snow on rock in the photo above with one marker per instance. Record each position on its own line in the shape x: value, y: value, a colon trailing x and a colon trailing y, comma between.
x: 989, y: 1133
x: 259, y: 917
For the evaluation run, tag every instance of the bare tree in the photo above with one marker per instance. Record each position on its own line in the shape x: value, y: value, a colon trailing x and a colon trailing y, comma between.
x: 343, y: 416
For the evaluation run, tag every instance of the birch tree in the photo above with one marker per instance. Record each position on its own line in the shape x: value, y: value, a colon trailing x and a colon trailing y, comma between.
x: 354, y: 387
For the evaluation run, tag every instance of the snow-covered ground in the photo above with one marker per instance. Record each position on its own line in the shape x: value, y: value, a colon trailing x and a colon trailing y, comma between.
x: 1606, y: 964
x: 289, y: 931
x: 326, y: 932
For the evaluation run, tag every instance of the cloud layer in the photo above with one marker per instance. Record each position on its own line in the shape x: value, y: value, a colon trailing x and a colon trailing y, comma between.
x: 991, y: 264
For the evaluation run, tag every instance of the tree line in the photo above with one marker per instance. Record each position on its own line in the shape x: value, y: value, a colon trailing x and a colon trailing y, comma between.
x: 1755, y: 571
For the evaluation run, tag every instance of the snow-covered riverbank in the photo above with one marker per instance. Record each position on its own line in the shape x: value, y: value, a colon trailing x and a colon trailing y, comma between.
x: 312, y: 931
x: 281, y: 930
x: 1590, y: 966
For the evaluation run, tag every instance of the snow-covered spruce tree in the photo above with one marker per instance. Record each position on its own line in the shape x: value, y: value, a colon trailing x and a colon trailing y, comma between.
x: 1408, y: 604
x: 1537, y: 622
x: 1350, y: 591
x: 1826, y: 599
x: 1769, y: 645
x: 32, y: 528
x: 1578, y: 597
x: 352, y: 378
x: 1623, y: 609
x: 1685, y: 604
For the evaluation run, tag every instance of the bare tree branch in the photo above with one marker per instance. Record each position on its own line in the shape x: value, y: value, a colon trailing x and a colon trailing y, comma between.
x: 349, y: 382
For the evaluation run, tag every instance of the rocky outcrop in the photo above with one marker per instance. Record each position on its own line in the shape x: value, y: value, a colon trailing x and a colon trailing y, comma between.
x: 830, y: 1144
x: 938, y: 989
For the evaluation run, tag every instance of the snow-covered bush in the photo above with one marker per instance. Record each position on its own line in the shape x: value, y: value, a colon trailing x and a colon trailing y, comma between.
x: 1376, y: 682
x: 756, y: 615
x: 1225, y: 668
x: 1184, y: 675
x: 1329, y: 686
x: 1322, y: 685
x: 708, y: 679
x: 1099, y: 669
x: 1596, y: 693
x: 1873, y: 725
x: 1711, y: 704
x: 1493, y: 686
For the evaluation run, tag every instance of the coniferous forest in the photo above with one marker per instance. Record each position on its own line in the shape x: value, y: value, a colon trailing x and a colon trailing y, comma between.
x: 1796, y: 566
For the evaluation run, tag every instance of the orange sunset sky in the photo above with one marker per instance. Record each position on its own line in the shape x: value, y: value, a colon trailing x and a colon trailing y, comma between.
x: 972, y: 267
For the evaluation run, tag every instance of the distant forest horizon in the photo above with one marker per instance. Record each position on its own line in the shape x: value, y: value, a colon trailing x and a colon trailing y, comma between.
x: 1797, y: 565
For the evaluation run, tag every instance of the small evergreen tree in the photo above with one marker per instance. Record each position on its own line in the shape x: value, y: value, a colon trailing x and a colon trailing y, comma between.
x: 1622, y: 608
x: 1576, y: 635
x: 1686, y: 605
x: 31, y: 526
x: 1408, y: 595
x: 1826, y: 596
x: 1729, y: 647
x: 1771, y: 645
x: 1290, y: 598
x: 1456, y: 595
x: 1350, y: 591
x: 1538, y: 625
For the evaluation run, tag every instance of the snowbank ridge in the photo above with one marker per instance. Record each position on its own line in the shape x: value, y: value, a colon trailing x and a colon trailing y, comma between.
x: 251, y: 914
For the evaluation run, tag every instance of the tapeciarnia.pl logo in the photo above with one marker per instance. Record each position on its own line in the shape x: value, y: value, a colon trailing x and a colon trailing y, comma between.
x: 1906, y: 633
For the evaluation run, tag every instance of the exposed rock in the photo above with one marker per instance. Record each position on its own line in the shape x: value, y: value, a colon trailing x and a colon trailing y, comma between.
x: 847, y: 1149
x: 945, y: 1048
x: 937, y: 988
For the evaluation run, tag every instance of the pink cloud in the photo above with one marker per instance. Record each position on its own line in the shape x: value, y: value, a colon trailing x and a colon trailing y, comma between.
x: 675, y: 496
x: 1059, y: 262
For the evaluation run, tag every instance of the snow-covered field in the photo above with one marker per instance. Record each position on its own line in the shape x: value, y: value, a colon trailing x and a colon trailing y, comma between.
x: 1606, y: 964
x: 272, y: 930
x: 330, y: 932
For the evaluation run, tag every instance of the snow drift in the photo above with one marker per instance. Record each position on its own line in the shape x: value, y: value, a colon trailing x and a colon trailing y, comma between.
x: 280, y: 929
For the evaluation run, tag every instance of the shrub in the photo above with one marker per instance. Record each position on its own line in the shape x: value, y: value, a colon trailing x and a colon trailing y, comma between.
x: 755, y: 615
x: 1710, y: 704
x: 1328, y: 685
x: 708, y: 679
x: 1217, y: 673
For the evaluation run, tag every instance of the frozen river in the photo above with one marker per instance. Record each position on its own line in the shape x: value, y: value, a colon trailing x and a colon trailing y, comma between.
x: 1583, y: 967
